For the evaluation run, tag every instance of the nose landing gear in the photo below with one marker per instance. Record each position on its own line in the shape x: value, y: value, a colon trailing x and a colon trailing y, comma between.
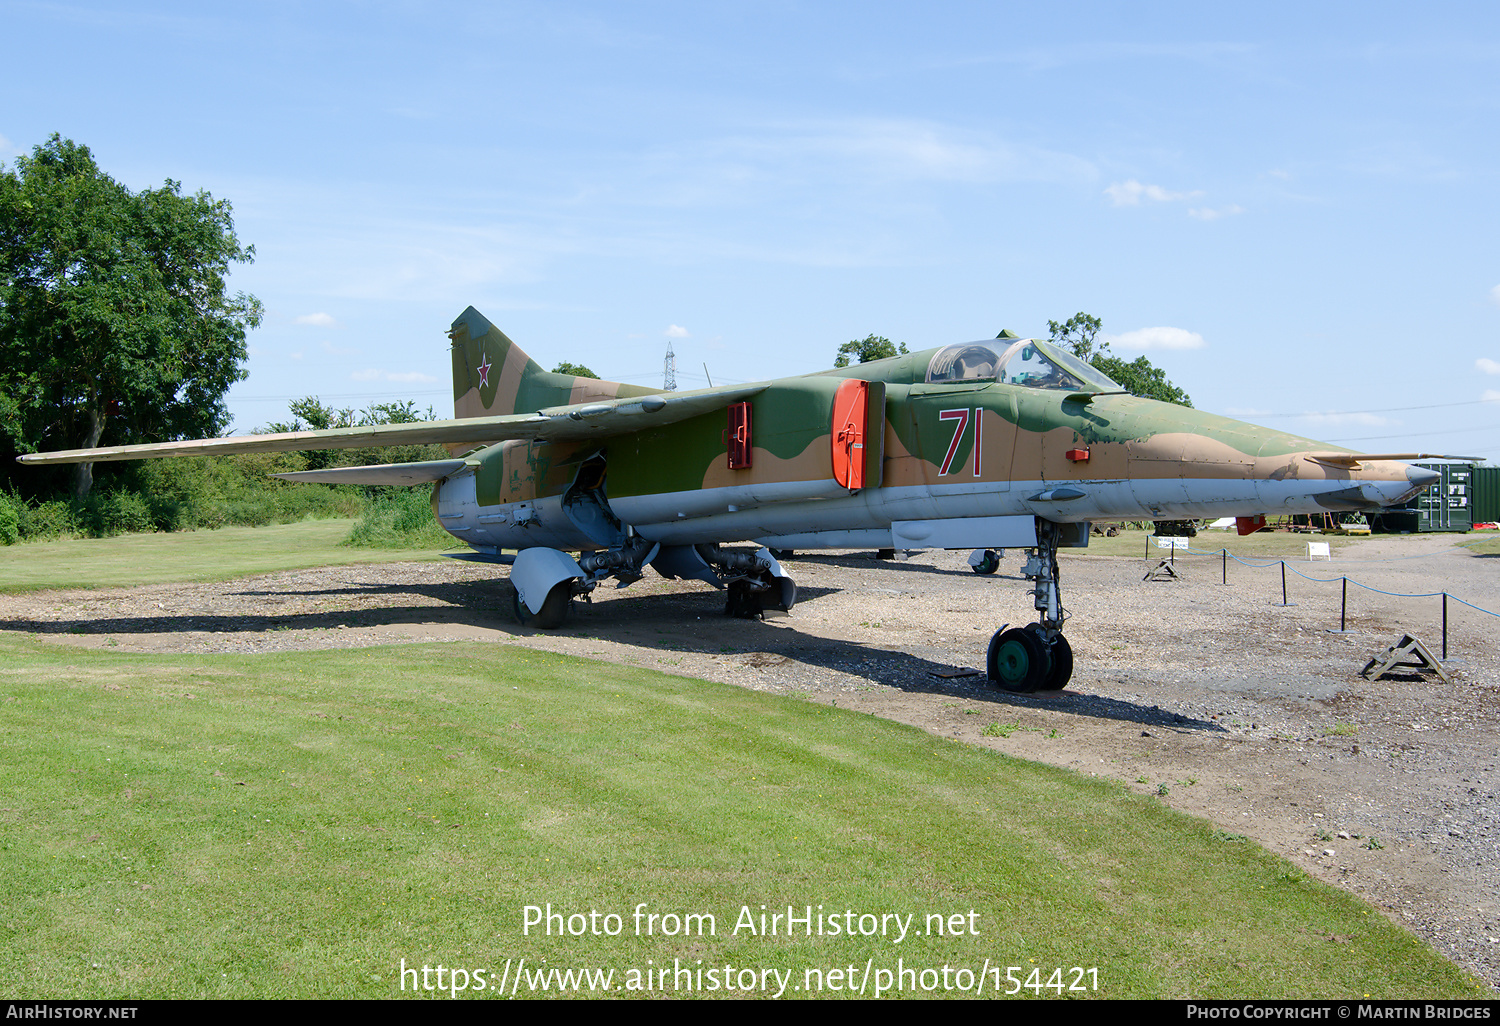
x: 1036, y: 657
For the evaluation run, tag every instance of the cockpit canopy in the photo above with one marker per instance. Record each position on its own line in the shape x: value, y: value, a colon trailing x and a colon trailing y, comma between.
x: 1023, y: 362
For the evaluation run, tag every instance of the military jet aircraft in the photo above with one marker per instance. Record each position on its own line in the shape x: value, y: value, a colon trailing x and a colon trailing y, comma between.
x: 1009, y: 442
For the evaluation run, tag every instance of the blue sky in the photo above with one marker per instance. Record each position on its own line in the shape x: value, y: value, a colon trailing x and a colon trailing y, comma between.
x: 1289, y: 207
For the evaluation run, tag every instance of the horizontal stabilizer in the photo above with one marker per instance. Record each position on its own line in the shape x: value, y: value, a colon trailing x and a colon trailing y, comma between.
x: 380, y: 474
x: 1354, y: 459
x: 558, y: 423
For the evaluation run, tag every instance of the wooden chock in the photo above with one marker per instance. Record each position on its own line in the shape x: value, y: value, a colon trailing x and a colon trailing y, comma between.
x: 1406, y: 654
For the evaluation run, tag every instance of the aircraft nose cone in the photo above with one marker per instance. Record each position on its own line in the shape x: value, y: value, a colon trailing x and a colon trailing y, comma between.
x: 1421, y: 477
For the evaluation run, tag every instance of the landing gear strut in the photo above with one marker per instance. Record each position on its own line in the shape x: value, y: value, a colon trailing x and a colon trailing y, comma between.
x: 753, y: 583
x: 1036, y: 657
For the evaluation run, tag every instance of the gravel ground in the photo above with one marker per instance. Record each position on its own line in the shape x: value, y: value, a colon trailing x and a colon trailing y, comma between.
x: 1216, y: 698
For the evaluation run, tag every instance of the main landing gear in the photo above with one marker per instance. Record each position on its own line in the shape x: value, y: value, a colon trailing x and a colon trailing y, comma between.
x: 1036, y: 657
x: 548, y: 580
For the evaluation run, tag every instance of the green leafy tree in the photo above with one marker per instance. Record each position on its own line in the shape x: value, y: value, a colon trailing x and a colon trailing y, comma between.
x: 115, y: 326
x: 578, y: 370
x: 871, y: 347
x: 1076, y: 334
x: 309, y: 414
x: 1140, y: 376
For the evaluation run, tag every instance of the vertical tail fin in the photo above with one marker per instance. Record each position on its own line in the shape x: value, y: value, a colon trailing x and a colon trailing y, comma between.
x: 492, y: 375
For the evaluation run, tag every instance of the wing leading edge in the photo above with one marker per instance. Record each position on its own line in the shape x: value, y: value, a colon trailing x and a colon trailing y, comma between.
x: 557, y: 423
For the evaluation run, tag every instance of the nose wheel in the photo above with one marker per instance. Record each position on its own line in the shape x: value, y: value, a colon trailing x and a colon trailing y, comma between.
x: 1023, y: 660
x: 1036, y: 657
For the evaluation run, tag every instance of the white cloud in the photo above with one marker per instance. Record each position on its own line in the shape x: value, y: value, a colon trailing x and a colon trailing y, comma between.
x: 933, y: 152
x: 404, y: 377
x: 1490, y: 396
x: 317, y: 320
x: 1487, y: 365
x: 1130, y: 194
x: 775, y: 161
x: 676, y: 331
x: 1495, y: 293
x: 1210, y: 214
x: 1156, y: 338
x: 1349, y: 419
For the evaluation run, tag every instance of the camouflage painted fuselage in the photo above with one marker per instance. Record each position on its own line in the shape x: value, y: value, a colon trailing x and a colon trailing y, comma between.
x: 957, y: 451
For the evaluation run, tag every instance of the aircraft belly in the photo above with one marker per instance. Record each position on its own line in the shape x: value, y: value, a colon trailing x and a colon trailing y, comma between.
x: 875, y: 538
x: 669, y: 507
x: 1237, y: 496
x: 743, y: 525
x: 965, y: 533
x: 514, y: 525
x: 871, y: 509
x: 944, y: 501
x: 1175, y: 499
x: 1193, y: 498
x: 1086, y: 500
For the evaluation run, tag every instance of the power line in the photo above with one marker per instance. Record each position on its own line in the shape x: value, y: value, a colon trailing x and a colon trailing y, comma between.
x: 1417, y: 434
x: 1388, y: 409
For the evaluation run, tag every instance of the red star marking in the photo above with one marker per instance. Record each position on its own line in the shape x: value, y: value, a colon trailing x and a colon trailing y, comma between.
x: 484, y: 370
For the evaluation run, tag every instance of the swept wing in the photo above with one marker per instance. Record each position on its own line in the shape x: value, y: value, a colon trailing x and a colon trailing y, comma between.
x: 559, y: 423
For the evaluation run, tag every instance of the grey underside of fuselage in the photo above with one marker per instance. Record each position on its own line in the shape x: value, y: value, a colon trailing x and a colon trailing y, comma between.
x: 821, y: 514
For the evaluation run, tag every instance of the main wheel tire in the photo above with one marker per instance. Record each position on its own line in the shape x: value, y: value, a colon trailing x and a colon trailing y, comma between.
x: 1019, y: 660
x: 741, y: 602
x: 787, y: 593
x: 1062, y: 664
x: 554, y: 608
x: 989, y: 564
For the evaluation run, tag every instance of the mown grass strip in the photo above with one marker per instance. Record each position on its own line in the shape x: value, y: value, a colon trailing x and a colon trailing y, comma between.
x: 218, y: 555
x: 297, y: 825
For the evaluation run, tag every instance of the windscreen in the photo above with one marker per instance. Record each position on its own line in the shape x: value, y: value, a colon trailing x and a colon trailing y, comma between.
x: 1024, y: 362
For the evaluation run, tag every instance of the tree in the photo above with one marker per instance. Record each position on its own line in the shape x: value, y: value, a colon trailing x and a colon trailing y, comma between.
x: 114, y: 323
x: 578, y: 370
x: 871, y: 347
x: 1076, y: 335
x: 1139, y: 376
x: 309, y: 414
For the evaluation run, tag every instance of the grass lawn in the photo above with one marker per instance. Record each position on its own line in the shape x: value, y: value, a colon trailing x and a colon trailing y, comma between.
x: 298, y: 825
x: 220, y: 555
x: 1485, y: 544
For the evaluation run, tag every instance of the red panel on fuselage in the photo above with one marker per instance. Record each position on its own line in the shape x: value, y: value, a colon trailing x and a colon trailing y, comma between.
x: 851, y: 413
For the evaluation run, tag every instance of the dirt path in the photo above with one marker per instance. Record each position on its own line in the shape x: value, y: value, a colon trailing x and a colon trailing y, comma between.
x: 1222, y: 703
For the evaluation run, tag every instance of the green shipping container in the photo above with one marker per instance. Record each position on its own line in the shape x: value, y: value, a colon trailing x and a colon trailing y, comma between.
x: 1446, y: 506
x: 1486, y: 495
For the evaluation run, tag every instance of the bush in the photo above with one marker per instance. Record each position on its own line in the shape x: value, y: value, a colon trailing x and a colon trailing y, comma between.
x: 399, y: 518
x: 251, y: 512
x: 10, y: 518
x: 46, y: 520
x: 117, y: 512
